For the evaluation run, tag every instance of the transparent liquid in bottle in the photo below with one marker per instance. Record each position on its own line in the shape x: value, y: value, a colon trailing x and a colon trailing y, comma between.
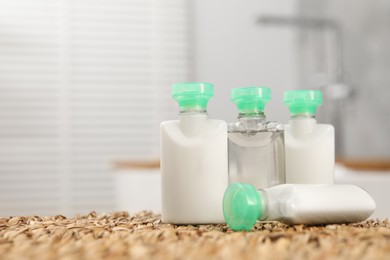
x: 256, y: 153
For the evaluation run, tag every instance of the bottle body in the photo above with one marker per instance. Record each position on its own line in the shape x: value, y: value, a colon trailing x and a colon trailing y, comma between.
x: 317, y: 204
x: 256, y: 153
x: 309, y: 151
x: 194, y: 169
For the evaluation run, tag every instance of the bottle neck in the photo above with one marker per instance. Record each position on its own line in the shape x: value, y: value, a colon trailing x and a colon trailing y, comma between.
x: 184, y: 112
x: 273, y: 200
x: 251, y: 115
x: 302, y: 124
x: 264, y: 204
x: 192, y: 121
x: 253, y: 121
x: 303, y: 116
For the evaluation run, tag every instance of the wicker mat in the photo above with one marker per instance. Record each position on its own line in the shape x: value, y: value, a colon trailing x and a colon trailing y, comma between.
x: 120, y: 236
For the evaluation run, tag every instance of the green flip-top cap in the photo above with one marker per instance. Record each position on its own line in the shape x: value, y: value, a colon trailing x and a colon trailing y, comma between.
x: 242, y: 206
x: 192, y: 95
x: 303, y: 101
x: 250, y: 99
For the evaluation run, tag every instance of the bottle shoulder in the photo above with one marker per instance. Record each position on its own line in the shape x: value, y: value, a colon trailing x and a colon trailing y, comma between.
x: 217, y: 123
x: 299, y: 129
x: 169, y: 123
x: 246, y: 126
x: 206, y: 129
x: 176, y: 123
x: 288, y: 127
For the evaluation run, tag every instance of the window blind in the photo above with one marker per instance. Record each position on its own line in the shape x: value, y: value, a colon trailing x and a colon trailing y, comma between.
x: 83, y: 84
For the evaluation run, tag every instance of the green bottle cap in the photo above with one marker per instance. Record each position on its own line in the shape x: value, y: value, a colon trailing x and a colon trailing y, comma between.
x: 192, y: 95
x: 303, y: 101
x: 242, y: 206
x: 250, y: 99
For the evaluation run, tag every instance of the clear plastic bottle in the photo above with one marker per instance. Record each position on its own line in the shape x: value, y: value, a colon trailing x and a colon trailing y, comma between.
x: 309, y: 204
x: 193, y: 159
x: 310, y: 154
x: 256, y: 146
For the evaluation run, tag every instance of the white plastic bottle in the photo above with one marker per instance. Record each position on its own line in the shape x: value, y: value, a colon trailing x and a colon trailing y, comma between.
x: 309, y: 147
x: 309, y: 204
x: 193, y: 159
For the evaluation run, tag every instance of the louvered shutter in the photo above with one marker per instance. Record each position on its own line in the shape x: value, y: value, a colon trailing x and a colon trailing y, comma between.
x: 82, y: 84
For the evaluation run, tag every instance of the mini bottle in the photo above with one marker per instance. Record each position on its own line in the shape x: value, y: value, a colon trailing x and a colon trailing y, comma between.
x: 255, y: 145
x: 310, y: 155
x: 310, y: 204
x: 193, y: 159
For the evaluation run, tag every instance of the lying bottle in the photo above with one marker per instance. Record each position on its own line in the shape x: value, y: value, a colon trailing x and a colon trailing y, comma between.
x: 308, y: 204
x: 255, y: 145
x: 194, y: 162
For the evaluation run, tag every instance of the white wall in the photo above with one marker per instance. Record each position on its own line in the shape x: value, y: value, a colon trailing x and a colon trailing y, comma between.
x: 232, y: 50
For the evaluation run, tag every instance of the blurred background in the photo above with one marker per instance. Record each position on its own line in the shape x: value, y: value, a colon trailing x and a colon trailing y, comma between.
x: 84, y: 85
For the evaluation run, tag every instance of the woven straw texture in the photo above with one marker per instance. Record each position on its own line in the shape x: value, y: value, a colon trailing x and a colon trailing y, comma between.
x: 143, y: 236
